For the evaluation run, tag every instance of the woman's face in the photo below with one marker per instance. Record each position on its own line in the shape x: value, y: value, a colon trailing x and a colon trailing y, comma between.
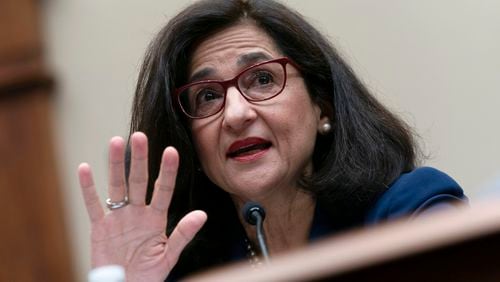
x: 253, y: 150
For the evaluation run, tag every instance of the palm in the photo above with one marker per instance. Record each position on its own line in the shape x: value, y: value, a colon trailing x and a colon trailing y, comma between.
x: 134, y: 236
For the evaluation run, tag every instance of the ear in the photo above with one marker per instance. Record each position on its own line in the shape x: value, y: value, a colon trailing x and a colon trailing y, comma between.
x: 325, y: 108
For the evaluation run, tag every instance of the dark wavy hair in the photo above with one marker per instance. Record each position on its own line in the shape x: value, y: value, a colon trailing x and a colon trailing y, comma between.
x: 367, y: 149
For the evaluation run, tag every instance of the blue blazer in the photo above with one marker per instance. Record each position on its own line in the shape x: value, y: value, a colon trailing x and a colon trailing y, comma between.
x: 421, y: 190
x: 412, y: 193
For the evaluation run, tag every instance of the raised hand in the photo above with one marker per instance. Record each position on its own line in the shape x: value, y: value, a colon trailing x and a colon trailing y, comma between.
x: 134, y: 235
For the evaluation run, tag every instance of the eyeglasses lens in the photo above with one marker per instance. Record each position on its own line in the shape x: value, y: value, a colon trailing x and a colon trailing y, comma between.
x: 258, y: 83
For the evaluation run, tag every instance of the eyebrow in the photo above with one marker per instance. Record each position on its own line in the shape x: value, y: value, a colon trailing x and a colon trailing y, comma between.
x: 243, y: 60
x: 199, y: 75
x: 252, y: 58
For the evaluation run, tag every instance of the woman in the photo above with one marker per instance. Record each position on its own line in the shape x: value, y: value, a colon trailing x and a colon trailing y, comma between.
x: 248, y: 102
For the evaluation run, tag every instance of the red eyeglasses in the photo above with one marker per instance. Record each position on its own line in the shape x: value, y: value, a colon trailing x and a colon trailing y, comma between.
x: 259, y: 82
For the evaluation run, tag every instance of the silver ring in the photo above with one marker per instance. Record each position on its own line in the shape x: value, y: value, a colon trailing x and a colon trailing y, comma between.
x: 116, y: 205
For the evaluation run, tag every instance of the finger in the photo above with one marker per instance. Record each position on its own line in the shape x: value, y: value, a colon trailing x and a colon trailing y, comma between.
x: 183, y: 233
x: 138, y: 178
x: 92, y: 203
x: 117, y: 189
x: 164, y: 185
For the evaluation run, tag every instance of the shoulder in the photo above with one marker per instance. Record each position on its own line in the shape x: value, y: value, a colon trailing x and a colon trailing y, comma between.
x: 415, y: 192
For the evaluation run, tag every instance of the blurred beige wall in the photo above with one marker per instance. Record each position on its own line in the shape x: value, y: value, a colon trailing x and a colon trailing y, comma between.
x: 436, y: 63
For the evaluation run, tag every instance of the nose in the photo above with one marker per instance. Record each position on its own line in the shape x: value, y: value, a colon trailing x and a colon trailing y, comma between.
x: 238, y: 112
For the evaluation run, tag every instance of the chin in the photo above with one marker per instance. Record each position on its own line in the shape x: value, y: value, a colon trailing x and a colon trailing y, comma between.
x: 254, y: 190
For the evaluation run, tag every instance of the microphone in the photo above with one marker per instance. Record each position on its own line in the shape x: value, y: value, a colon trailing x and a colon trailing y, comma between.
x: 254, y: 214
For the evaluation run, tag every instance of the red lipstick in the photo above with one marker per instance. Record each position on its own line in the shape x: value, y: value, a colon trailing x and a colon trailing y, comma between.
x: 248, y: 149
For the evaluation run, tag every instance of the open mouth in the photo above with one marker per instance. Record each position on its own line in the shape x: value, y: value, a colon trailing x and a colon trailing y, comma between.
x: 249, y: 150
x: 248, y: 147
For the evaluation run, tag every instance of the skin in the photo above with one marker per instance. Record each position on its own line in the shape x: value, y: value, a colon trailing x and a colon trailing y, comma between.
x: 290, y: 121
x: 134, y: 236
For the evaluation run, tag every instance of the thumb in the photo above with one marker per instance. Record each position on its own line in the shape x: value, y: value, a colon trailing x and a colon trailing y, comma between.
x: 183, y: 233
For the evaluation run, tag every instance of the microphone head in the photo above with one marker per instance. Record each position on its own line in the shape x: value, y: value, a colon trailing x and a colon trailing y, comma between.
x: 252, y: 210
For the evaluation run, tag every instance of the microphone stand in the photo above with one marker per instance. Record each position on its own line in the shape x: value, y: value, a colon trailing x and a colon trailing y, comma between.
x: 254, y: 214
x: 260, y: 236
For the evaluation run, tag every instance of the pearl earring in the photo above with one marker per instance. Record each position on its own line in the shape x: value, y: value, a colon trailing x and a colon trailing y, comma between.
x: 326, y: 127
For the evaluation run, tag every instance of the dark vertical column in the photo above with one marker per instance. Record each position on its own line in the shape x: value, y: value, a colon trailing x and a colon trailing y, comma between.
x: 33, y: 238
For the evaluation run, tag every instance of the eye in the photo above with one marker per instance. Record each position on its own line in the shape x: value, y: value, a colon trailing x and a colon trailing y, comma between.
x: 262, y: 78
x: 206, y: 95
x: 258, y: 79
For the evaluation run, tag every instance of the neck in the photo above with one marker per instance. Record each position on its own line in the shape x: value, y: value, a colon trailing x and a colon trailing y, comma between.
x: 288, y: 221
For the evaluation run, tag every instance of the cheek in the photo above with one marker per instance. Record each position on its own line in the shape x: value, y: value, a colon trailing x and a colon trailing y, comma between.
x: 303, y: 118
x: 205, y: 142
x: 201, y: 144
x: 302, y: 113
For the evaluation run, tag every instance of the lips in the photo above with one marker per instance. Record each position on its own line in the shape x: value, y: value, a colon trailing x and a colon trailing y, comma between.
x: 248, y: 147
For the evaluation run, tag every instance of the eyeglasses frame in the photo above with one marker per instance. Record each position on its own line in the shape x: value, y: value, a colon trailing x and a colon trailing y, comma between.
x: 234, y: 82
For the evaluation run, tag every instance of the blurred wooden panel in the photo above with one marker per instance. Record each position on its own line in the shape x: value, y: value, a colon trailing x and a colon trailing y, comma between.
x: 19, y: 31
x: 34, y: 239
x: 459, y: 245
